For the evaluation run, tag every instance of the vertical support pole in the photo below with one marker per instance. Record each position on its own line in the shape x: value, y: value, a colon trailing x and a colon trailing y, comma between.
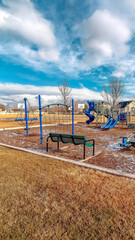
x: 84, y: 150
x: 97, y: 114
x: 119, y: 117
x: 40, y: 116
x: 26, y: 116
x: 128, y: 117
x: 103, y: 116
x: 72, y: 116
x: 127, y: 122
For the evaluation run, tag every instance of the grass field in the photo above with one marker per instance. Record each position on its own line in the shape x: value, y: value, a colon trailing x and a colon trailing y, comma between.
x: 8, y: 120
x: 51, y: 200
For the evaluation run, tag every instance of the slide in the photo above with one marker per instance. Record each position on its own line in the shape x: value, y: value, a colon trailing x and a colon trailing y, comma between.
x: 91, y: 117
x: 110, y: 123
x: 87, y: 112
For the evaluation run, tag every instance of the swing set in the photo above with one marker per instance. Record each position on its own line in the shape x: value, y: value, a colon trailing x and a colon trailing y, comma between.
x: 24, y: 117
x: 59, y: 118
x: 59, y: 122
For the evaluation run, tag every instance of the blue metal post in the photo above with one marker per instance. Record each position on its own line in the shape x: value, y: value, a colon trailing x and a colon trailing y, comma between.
x: 26, y: 116
x: 40, y: 115
x: 72, y: 116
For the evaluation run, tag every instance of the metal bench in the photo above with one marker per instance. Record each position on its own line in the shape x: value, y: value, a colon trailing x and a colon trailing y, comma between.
x: 70, y: 138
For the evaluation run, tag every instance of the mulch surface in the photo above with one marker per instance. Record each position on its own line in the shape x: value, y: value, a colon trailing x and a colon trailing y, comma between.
x: 108, y: 153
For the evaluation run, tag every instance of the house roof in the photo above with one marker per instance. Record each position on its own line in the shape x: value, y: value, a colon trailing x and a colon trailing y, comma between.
x: 124, y: 104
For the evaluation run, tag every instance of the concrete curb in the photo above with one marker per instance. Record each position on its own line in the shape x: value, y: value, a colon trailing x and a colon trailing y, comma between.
x: 35, y: 126
x: 91, y: 166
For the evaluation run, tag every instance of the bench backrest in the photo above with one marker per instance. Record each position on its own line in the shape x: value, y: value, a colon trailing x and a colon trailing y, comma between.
x: 67, y: 138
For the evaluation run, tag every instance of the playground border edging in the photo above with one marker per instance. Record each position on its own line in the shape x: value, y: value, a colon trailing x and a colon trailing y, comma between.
x: 44, y: 125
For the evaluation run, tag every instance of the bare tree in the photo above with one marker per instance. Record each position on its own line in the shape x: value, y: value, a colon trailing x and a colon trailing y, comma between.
x: 65, y: 91
x: 3, y: 107
x: 113, y: 91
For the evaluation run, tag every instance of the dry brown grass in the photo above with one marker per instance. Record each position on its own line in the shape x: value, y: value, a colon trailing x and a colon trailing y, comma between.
x: 48, y: 199
x: 132, y: 120
x: 8, y: 115
x: 9, y: 123
x: 8, y: 120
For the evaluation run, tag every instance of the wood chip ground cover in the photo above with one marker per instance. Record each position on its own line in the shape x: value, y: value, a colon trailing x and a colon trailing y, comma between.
x: 106, y: 141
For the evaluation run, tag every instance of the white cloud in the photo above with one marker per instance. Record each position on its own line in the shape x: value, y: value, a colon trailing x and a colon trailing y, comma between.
x: 120, y: 72
x: 12, y: 93
x: 124, y: 8
x: 27, y: 54
x: 103, y: 77
x: 31, y: 40
x: 71, y: 64
x: 13, y: 89
x: 85, y: 93
x: 130, y: 87
x: 20, y: 19
x: 104, y: 36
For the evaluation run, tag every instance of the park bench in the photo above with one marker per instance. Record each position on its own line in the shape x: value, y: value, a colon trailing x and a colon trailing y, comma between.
x: 70, y: 138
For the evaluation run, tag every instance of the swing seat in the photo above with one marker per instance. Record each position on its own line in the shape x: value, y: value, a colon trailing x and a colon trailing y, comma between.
x: 70, y: 138
x: 24, y: 119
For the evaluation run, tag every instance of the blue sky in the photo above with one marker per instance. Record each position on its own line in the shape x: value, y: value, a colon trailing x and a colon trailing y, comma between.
x: 87, y: 42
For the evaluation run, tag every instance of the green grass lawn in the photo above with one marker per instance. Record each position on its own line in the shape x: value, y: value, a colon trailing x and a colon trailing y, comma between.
x: 46, y: 199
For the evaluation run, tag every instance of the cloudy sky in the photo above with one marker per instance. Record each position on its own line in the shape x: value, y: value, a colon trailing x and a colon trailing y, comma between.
x: 86, y: 42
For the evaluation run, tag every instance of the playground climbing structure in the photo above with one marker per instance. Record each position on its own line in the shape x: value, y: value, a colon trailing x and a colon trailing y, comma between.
x: 26, y: 116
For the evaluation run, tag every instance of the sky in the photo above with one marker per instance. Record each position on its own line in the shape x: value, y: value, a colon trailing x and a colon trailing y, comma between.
x: 43, y: 42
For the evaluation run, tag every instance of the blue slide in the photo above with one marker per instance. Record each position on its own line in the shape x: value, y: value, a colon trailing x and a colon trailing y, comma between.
x: 110, y: 123
x: 87, y: 112
x: 107, y: 123
x: 91, y: 117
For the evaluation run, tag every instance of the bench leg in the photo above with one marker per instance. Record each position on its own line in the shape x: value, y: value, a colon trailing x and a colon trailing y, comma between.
x: 47, y: 146
x: 93, y: 147
x: 47, y: 143
x: 84, y: 150
x: 57, y: 145
x: 93, y: 150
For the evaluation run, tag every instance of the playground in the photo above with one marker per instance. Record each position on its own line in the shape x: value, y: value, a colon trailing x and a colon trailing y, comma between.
x: 106, y: 148
x: 105, y: 155
x: 45, y: 198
